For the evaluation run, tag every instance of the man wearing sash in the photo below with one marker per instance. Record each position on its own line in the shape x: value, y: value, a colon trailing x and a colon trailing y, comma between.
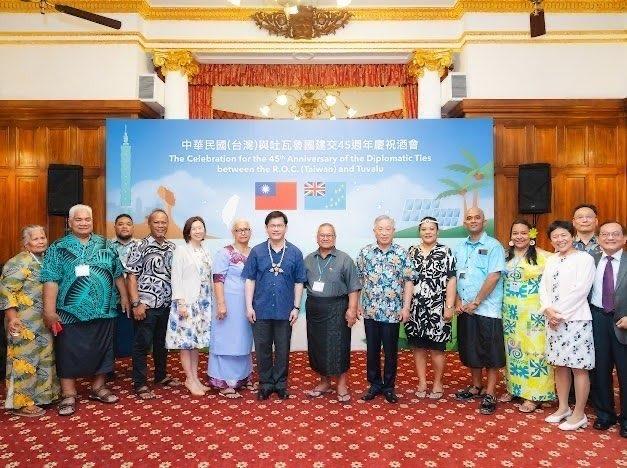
x: 274, y: 274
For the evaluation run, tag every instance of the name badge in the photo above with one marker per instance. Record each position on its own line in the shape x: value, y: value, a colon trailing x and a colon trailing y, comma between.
x: 318, y: 286
x: 81, y: 270
x: 483, y: 251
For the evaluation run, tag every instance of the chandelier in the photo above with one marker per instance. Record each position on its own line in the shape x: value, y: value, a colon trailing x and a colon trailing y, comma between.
x: 310, y: 103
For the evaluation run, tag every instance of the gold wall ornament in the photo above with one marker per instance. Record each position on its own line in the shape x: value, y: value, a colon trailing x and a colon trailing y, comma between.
x: 437, y: 60
x: 310, y: 22
x: 176, y: 60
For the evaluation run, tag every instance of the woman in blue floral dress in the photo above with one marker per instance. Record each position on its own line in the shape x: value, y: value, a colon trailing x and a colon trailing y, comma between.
x: 190, y: 313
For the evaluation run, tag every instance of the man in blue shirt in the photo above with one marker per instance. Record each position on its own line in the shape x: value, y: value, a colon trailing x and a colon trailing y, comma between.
x: 274, y: 274
x: 480, y: 260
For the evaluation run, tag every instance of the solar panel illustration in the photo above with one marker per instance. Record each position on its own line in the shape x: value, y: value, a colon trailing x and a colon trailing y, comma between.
x: 415, y: 209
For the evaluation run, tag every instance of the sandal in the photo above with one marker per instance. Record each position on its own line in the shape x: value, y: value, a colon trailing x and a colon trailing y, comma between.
x: 230, y: 393
x: 144, y: 393
x: 506, y: 397
x: 529, y: 406
x: 169, y: 382
x: 32, y: 411
x: 103, y: 395
x: 435, y: 395
x: 67, y: 405
x: 469, y: 393
x: 252, y: 386
x: 421, y: 393
x: 315, y: 393
x: 343, y: 397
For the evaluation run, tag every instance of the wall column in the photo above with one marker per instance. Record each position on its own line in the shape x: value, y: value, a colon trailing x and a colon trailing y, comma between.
x: 428, y: 66
x: 177, y: 66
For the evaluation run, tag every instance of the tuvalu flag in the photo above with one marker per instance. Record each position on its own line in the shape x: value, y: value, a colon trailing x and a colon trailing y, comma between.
x: 325, y: 195
x: 275, y: 195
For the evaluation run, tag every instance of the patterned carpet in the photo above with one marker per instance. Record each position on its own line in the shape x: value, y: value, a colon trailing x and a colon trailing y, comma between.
x: 178, y: 430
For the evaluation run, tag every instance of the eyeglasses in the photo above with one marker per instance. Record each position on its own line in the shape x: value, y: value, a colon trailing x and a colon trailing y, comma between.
x: 616, y: 234
x: 326, y: 236
x: 242, y: 230
x: 276, y: 226
x: 585, y: 217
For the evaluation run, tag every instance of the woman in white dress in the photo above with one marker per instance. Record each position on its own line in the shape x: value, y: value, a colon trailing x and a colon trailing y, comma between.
x: 190, y: 312
x: 566, y: 282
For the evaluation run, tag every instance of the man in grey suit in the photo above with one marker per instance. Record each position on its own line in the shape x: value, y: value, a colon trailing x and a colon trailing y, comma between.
x: 608, y: 302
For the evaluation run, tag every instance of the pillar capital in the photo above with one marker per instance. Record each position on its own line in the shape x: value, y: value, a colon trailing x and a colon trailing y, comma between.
x: 437, y: 60
x: 175, y: 60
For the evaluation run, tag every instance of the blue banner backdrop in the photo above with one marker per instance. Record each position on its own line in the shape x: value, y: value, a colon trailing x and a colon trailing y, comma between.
x: 346, y: 172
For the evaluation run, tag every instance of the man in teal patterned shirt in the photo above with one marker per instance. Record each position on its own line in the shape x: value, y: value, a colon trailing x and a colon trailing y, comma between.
x: 386, y: 273
x: 79, y: 272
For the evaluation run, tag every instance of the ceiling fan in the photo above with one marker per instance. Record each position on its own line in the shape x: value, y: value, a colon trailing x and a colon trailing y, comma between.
x: 68, y: 10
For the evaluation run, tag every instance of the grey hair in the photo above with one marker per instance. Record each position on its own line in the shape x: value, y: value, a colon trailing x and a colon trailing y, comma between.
x: 237, y: 221
x: 328, y: 225
x: 385, y: 217
x: 155, y: 211
x: 76, y: 208
x: 28, y: 230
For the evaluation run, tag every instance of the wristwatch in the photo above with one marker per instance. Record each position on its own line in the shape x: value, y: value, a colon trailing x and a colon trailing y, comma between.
x: 297, y: 308
x: 135, y: 303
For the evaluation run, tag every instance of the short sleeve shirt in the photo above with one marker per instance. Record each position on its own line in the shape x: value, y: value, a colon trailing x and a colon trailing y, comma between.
x: 81, y: 298
x: 383, y: 275
x: 591, y: 247
x: 273, y: 298
x: 474, y: 261
x: 336, y: 273
x: 151, y: 262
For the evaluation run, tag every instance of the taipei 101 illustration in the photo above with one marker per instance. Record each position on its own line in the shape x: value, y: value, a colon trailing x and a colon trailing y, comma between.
x: 125, y: 172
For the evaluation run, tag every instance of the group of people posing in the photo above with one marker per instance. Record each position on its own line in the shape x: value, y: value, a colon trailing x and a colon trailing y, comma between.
x: 546, y: 318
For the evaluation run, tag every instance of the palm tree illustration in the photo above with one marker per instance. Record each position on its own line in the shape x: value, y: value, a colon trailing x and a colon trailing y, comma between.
x: 477, y: 176
x: 456, y: 189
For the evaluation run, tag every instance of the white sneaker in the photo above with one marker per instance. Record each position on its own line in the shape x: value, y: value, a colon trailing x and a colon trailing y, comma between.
x: 566, y: 426
x: 556, y: 418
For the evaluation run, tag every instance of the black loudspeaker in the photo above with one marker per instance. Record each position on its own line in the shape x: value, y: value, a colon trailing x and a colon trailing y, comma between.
x: 65, y: 188
x: 534, y: 188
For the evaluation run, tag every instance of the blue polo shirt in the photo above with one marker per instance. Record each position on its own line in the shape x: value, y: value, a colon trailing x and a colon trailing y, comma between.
x: 274, y: 295
x: 475, y: 260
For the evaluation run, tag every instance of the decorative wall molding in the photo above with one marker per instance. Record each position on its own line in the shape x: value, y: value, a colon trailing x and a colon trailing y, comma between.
x: 76, y: 110
x: 328, y: 46
x: 144, y: 9
x: 541, y: 108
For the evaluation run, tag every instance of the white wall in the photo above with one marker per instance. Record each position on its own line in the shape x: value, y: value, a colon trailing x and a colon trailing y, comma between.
x: 71, y: 71
x: 543, y: 71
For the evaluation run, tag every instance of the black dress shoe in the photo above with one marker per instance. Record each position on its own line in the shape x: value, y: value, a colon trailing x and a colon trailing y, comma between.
x: 370, y: 395
x: 623, y: 430
x: 282, y: 393
x: 263, y: 394
x: 602, y: 424
x: 390, y: 397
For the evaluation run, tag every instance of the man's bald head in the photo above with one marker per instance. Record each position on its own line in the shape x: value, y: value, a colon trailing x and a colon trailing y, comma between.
x: 474, y: 221
x: 474, y: 210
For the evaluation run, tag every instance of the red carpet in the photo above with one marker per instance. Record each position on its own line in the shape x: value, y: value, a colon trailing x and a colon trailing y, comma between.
x: 178, y: 430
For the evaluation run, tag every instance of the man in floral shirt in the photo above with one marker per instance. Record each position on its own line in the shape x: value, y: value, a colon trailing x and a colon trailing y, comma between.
x: 385, y: 270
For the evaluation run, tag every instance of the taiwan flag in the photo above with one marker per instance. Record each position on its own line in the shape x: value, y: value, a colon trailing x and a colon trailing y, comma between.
x: 275, y: 195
